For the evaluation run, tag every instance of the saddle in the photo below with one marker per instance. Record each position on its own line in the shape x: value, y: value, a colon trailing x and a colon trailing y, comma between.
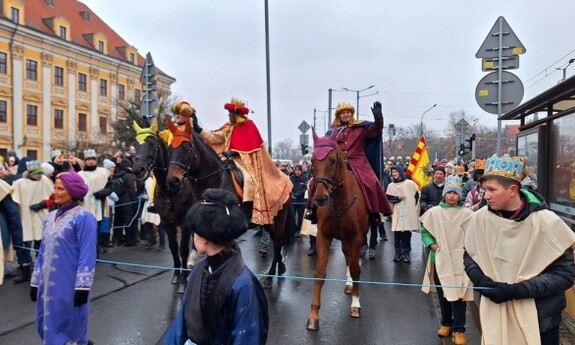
x: 236, y: 176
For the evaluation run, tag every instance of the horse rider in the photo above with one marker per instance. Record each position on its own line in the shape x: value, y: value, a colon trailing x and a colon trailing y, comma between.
x: 182, y: 111
x: 265, y: 186
x: 353, y: 137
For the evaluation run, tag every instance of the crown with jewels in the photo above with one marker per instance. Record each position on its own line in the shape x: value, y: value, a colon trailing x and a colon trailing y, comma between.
x: 506, y: 166
x: 33, y: 167
x: 344, y: 106
x: 453, y: 181
x: 55, y: 153
x: 459, y: 170
x: 480, y: 163
x: 90, y: 153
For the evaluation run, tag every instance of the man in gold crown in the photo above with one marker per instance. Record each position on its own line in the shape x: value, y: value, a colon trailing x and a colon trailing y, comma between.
x: 521, y: 254
x: 181, y: 110
x: 264, y: 185
x: 353, y: 137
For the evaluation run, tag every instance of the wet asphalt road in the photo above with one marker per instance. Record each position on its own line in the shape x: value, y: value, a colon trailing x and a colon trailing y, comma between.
x: 133, y: 305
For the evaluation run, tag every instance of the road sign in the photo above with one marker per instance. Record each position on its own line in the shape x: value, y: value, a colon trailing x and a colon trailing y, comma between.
x: 304, y: 127
x: 150, y: 105
x: 510, y: 44
x: 303, y: 139
x: 492, y: 64
x: 486, y: 92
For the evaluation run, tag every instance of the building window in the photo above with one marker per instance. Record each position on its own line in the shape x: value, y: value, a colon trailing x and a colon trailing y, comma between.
x: 59, y: 76
x: 101, y: 46
x: 58, y: 118
x: 31, y: 70
x: 32, y: 154
x: 82, y: 84
x: 15, y: 14
x: 82, y: 122
x: 132, y: 57
x: 3, y: 111
x: 63, y: 32
x: 3, y: 63
x: 137, y: 95
x: 31, y: 115
x: 103, y: 125
x: 103, y: 87
x: 121, y: 92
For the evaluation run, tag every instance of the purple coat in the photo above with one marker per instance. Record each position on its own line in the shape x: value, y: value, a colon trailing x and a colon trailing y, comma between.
x: 352, y: 141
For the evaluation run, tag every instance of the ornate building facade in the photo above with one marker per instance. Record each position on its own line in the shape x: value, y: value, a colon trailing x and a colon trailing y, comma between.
x: 64, y: 76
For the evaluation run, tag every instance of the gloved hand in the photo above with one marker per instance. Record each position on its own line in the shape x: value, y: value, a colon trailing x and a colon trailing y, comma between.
x: 478, y: 278
x: 81, y: 297
x: 498, y: 292
x: 197, y: 127
x: 37, y: 207
x: 98, y: 195
x: 230, y: 153
x: 376, y: 109
x: 33, y: 293
x: 152, y: 209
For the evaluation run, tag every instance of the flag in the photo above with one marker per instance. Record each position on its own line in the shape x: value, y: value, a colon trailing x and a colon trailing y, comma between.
x: 418, y: 167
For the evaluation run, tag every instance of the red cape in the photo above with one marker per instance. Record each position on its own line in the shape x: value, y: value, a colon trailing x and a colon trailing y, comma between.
x: 245, y: 137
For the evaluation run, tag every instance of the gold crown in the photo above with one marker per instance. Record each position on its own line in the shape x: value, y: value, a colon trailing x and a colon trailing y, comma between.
x: 480, y: 163
x: 459, y: 170
x: 344, y: 106
x: 507, y: 166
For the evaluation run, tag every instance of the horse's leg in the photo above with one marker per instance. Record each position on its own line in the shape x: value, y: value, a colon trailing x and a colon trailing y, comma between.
x: 322, y: 249
x: 184, y: 252
x: 277, y: 257
x: 172, y: 233
x: 352, y: 249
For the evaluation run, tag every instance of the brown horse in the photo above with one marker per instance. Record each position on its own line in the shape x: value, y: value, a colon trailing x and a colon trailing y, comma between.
x: 342, y: 214
x: 195, y: 166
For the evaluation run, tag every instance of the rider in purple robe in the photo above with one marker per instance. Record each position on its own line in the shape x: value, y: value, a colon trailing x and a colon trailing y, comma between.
x: 64, y: 271
x: 352, y: 138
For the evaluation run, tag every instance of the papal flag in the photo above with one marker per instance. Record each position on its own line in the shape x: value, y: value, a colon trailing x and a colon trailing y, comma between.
x: 419, y: 168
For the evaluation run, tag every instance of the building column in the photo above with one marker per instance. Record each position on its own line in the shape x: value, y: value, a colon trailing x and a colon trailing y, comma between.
x: 17, y: 53
x: 46, y: 108
x: 94, y: 95
x: 72, y: 68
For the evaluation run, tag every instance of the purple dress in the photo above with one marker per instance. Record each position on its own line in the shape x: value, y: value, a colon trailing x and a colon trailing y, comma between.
x: 66, y: 262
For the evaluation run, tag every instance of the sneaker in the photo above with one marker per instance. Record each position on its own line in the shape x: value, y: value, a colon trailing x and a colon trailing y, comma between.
x: 406, y: 258
x: 371, y: 254
x: 444, y: 331
x: 459, y: 338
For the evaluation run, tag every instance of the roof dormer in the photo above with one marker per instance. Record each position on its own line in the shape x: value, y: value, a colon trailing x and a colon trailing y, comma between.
x: 60, y: 26
x: 98, y: 41
x: 130, y: 53
x: 14, y: 10
x: 85, y: 15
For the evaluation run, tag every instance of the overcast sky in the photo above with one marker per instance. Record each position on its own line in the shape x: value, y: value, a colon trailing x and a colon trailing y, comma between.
x: 416, y: 53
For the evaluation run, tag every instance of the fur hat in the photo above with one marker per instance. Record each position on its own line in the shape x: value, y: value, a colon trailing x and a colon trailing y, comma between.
x: 453, y: 184
x: 218, y: 217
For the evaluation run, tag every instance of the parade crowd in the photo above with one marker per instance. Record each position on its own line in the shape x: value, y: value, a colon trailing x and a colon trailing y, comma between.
x: 485, y: 226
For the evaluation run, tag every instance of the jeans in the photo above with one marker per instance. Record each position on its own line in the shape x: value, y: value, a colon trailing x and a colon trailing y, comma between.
x: 452, y: 313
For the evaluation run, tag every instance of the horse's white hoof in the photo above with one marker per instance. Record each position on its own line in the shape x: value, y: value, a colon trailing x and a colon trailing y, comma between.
x: 355, y: 312
x: 348, y: 289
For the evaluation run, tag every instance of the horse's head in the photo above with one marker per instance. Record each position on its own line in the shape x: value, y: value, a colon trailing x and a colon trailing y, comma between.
x: 184, y: 158
x: 147, y: 150
x: 328, y: 163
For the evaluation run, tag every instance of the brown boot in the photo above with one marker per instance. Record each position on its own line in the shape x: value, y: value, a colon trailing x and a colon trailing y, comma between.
x: 444, y: 331
x: 459, y: 338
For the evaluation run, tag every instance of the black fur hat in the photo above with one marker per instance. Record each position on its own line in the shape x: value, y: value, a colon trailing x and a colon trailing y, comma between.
x: 218, y: 217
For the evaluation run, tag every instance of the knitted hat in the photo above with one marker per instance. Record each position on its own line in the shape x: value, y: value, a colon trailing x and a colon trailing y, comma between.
x: 54, y: 153
x: 453, y: 184
x: 109, y: 164
x: 217, y: 218
x: 47, y: 168
x: 439, y: 168
x: 298, y: 167
x: 33, y: 168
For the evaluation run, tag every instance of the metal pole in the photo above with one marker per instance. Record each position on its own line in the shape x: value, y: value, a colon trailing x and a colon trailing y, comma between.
x: 499, y: 86
x: 314, y: 119
x: 268, y: 79
x: 330, y: 91
x: 357, y: 105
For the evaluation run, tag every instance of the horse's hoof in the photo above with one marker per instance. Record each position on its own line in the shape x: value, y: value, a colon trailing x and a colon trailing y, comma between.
x: 181, y: 288
x: 281, y: 268
x: 267, y: 283
x: 312, y: 324
x: 355, y: 311
x: 348, y: 289
x: 176, y: 279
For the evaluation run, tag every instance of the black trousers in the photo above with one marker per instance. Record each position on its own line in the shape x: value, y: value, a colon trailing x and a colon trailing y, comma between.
x: 402, y: 241
x: 452, y: 313
x: 550, y: 337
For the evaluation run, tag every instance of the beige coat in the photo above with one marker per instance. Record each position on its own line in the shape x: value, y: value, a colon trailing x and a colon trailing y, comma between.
x: 444, y: 224
x: 406, y: 212
x: 511, y: 252
x: 28, y: 192
x: 96, y: 181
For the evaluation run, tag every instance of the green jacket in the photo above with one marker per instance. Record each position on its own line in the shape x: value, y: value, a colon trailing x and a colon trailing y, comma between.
x: 428, y: 238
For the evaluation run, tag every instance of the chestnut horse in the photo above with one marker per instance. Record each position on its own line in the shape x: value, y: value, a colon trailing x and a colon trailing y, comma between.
x: 153, y: 155
x: 342, y: 214
x: 195, y: 166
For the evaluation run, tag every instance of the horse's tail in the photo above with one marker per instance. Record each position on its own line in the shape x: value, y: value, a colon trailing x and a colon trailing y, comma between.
x: 290, y: 228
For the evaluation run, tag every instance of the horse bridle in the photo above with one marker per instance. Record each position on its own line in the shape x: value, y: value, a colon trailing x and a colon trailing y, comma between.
x: 188, y: 167
x: 150, y: 166
x: 330, y: 183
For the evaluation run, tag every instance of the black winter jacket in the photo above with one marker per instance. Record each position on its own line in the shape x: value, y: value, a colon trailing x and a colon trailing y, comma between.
x: 431, y: 195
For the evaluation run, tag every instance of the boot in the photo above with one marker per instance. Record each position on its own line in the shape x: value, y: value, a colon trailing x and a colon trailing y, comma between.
x: 311, y: 215
x: 25, y: 274
x: 405, y: 257
x: 397, y: 256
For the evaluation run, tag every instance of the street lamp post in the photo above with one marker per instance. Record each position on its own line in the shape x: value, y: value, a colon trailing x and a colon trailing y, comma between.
x: 357, y: 98
x: 564, y: 69
x: 422, y: 115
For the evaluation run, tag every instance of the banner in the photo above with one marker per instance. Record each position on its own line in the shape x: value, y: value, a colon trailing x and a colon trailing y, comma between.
x: 419, y: 168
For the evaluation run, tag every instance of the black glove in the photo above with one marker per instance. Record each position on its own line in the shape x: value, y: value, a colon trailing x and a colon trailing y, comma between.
x: 98, y: 195
x: 497, y: 292
x: 230, y: 153
x: 37, y: 207
x: 197, y: 127
x: 81, y: 297
x: 33, y: 293
x: 152, y: 209
x: 376, y: 110
x: 478, y: 278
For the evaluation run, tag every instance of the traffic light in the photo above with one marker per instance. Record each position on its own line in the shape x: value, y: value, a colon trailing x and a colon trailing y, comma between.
x: 304, y: 149
x: 470, y: 141
x: 461, y: 150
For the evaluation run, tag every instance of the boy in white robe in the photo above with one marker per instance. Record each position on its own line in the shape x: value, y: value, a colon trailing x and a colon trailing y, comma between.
x: 442, y: 235
x: 521, y: 254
